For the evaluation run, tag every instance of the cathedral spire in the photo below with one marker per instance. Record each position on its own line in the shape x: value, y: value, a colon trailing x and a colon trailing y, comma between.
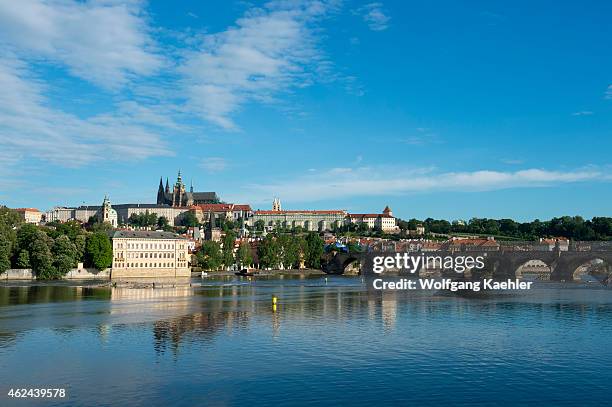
x: 191, y: 188
x: 167, y: 186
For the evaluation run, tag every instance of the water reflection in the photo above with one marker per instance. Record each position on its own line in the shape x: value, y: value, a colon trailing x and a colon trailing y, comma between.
x: 155, y: 346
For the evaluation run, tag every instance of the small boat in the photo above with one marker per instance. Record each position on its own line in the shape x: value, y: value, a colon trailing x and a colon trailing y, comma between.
x: 246, y: 273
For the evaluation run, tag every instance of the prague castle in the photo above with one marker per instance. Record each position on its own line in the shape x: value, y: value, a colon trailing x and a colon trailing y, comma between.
x: 178, y: 196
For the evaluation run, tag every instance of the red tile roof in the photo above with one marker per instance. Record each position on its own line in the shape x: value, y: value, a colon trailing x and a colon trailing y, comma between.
x: 369, y: 215
x: 27, y: 210
x: 331, y: 212
x: 222, y: 207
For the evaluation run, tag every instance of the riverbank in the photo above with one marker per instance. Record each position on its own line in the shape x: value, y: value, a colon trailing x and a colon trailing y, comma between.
x: 262, y: 273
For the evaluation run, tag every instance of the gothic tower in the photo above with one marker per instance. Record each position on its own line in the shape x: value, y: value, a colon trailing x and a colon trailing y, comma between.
x: 161, y: 196
x: 178, y: 193
x: 276, y: 205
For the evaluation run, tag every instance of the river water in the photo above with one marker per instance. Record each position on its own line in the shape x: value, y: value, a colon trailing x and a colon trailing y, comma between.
x: 331, y: 342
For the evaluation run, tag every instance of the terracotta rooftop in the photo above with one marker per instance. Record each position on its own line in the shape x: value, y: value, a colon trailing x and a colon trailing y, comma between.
x: 27, y: 210
x: 222, y: 207
x: 369, y: 215
x: 331, y: 212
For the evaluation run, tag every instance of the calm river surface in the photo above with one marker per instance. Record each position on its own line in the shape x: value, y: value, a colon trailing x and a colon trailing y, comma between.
x: 326, y: 342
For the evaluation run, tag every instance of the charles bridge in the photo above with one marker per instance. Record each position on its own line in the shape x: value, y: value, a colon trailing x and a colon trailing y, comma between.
x: 507, y: 260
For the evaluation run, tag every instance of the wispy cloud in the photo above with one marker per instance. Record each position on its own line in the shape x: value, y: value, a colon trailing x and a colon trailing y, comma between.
x: 269, y: 50
x: 582, y: 113
x: 609, y: 92
x: 104, y: 42
x: 30, y: 127
x: 375, y: 16
x: 379, y: 181
x: 213, y: 164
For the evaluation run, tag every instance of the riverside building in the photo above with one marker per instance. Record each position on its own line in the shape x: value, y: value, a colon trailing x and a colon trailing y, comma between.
x: 145, y: 254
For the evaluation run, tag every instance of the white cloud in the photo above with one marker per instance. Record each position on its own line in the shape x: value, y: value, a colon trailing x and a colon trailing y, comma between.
x: 374, y: 16
x: 213, y: 164
x: 609, y: 92
x: 30, y: 127
x: 105, y: 42
x: 270, y: 50
x: 379, y: 181
x: 582, y: 113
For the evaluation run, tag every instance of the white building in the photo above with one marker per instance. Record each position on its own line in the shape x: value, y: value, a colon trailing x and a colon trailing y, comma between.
x: 145, y: 254
x: 382, y: 221
x: 30, y: 215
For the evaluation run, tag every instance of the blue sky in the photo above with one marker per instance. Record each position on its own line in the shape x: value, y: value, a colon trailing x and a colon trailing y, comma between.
x: 440, y: 108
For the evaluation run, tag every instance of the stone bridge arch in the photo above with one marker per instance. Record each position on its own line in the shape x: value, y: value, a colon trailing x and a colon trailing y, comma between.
x: 337, y: 262
x: 568, y: 265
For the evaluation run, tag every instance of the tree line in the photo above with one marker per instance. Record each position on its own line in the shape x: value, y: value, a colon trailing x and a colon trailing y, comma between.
x: 50, y: 251
x: 274, y: 251
x: 571, y: 227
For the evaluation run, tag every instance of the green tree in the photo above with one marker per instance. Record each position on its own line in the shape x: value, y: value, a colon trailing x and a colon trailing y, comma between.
x: 162, y: 222
x: 190, y: 219
x: 210, y: 257
x: 23, y: 260
x: 99, y: 251
x: 64, y: 254
x: 269, y: 252
x: 41, y: 258
x: 79, y: 243
x: 5, y: 253
x: 25, y: 236
x: 244, y: 257
x: 259, y: 225
x: 313, y: 250
x: 290, y: 251
x: 228, y: 248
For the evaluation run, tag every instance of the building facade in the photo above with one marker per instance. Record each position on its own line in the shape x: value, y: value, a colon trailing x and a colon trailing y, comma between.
x: 124, y: 211
x: 145, y: 254
x: 380, y: 221
x: 107, y: 214
x: 307, y: 219
x: 233, y: 212
x: 30, y: 215
x: 178, y: 196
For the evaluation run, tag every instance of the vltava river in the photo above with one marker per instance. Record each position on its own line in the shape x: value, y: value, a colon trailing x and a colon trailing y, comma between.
x: 326, y: 342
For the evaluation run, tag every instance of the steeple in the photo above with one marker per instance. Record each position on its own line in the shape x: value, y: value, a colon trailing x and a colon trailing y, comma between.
x: 167, y: 186
x: 160, y: 192
x: 191, y: 187
x: 276, y: 205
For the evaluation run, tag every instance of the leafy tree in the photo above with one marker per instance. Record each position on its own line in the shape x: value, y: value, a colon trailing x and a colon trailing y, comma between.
x: 41, y: 258
x: 162, y: 222
x: 269, y: 252
x: 103, y: 227
x: 244, y: 256
x: 25, y: 236
x: 228, y: 248
x: 79, y: 243
x: 23, y: 260
x: 64, y: 255
x: 290, y: 251
x: 5, y: 253
x: 313, y: 250
x: 99, y: 251
x: 259, y: 225
x: 190, y: 219
x: 145, y: 219
x: 210, y: 257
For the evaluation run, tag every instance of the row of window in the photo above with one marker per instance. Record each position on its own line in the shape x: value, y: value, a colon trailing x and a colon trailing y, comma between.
x: 154, y: 255
x: 160, y: 246
x: 148, y: 265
